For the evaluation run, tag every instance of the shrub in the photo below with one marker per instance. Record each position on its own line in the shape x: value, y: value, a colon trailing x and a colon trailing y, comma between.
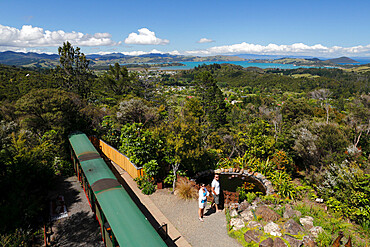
x: 245, y: 194
x: 346, y: 190
x: 145, y: 184
x: 282, y: 182
x: 151, y: 168
x: 185, y: 190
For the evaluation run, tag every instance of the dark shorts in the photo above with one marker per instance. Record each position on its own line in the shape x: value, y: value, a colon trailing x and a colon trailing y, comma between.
x: 217, y: 199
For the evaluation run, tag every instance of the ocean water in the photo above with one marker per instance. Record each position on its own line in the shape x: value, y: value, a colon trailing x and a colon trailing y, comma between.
x: 191, y: 65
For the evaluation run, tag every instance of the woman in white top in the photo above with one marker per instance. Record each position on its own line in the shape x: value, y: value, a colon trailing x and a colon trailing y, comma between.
x: 203, y: 193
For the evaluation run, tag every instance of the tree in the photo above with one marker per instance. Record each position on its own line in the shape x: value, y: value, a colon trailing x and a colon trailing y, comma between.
x: 212, y: 99
x: 52, y: 109
x: 136, y: 111
x: 359, y: 118
x: 73, y: 72
x: 118, y: 80
x: 258, y: 141
x: 323, y: 95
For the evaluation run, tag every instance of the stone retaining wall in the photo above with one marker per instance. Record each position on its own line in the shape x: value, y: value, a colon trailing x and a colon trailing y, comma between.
x: 228, y: 196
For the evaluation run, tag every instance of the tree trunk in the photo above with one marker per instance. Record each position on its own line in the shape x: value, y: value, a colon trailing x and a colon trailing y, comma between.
x: 175, y: 168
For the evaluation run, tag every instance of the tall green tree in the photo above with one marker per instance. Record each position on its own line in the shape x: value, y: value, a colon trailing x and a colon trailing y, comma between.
x: 212, y: 99
x: 118, y: 80
x: 73, y: 71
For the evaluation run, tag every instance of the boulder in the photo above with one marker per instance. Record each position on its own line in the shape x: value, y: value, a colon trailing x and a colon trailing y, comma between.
x: 255, y: 224
x: 307, y: 222
x: 269, y: 242
x: 292, y: 227
x: 252, y: 235
x: 278, y: 242
x: 244, y: 205
x: 316, y: 230
x: 290, y: 212
x: 233, y: 213
x: 236, y: 223
x: 292, y: 241
x: 247, y: 215
x: 267, y: 214
x: 308, y: 242
x: 272, y: 229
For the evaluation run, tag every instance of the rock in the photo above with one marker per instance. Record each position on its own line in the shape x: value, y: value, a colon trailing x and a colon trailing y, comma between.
x: 234, y: 206
x: 272, y: 229
x: 307, y: 222
x: 252, y: 235
x: 290, y: 212
x: 244, y: 205
x: 247, y: 215
x: 316, y: 230
x: 217, y: 171
x: 319, y: 200
x: 255, y: 224
x: 267, y: 214
x: 236, y: 223
x: 292, y: 227
x: 231, y: 170
x: 308, y: 242
x: 267, y: 243
x: 278, y: 242
x: 293, y: 241
x: 233, y: 213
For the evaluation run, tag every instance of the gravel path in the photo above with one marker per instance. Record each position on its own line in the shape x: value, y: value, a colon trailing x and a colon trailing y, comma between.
x: 184, y: 216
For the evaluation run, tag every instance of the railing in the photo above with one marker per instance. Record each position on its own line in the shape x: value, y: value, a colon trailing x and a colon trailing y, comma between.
x: 120, y: 159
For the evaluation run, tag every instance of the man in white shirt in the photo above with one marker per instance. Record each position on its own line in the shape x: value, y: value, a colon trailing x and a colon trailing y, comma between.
x: 216, y: 191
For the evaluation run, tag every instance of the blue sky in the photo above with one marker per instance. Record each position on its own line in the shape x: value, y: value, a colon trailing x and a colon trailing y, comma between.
x: 323, y: 28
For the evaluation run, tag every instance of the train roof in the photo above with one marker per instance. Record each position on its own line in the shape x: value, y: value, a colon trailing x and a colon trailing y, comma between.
x: 129, y: 225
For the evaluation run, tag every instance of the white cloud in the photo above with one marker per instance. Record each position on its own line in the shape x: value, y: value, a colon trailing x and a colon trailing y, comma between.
x: 138, y: 53
x: 205, y: 40
x: 294, y: 49
x: 29, y: 36
x: 145, y: 37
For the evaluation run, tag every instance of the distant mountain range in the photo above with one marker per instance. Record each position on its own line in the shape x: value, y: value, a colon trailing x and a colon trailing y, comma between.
x: 37, y: 60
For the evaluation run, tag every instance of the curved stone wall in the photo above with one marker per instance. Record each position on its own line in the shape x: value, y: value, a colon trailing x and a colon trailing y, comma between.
x: 258, y: 177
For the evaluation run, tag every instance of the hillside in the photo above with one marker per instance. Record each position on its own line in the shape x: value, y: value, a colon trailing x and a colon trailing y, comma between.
x: 341, y: 60
x: 35, y: 60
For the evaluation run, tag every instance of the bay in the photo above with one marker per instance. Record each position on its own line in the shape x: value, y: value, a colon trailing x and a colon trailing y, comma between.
x: 191, y: 65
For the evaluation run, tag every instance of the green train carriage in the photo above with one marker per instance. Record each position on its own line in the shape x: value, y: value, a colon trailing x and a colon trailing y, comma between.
x: 122, y: 223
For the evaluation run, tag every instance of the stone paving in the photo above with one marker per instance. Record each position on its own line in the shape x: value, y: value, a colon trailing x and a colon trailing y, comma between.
x: 184, y: 216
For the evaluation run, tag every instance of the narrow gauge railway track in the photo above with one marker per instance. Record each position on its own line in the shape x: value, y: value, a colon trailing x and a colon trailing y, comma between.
x: 121, y: 221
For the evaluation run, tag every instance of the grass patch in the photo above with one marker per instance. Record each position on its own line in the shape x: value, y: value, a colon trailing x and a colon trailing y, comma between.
x: 239, y: 235
x: 304, y: 75
x: 359, y: 69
